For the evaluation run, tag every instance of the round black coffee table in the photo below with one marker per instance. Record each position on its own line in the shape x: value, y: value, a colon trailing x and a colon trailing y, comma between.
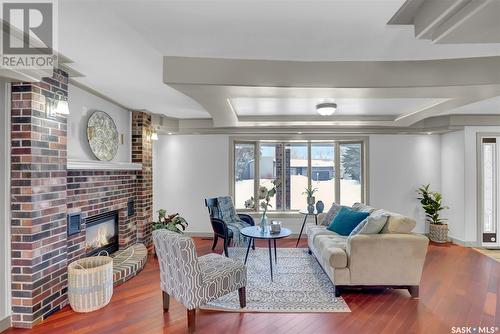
x: 254, y: 232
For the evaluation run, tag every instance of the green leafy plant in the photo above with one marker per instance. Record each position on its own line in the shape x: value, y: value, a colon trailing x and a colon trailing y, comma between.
x: 309, y: 191
x: 172, y: 222
x: 431, y: 202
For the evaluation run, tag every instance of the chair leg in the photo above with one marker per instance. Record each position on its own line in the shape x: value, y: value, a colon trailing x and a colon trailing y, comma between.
x: 191, y: 320
x: 166, y: 301
x: 216, y: 238
x: 413, y: 290
x: 242, y: 294
x: 253, y: 244
x: 225, y: 248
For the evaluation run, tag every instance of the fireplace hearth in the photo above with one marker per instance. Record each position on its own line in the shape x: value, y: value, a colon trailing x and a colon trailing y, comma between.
x: 101, y: 233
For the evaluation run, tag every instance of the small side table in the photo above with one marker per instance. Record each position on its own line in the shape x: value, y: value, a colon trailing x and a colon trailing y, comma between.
x: 254, y: 232
x: 306, y: 214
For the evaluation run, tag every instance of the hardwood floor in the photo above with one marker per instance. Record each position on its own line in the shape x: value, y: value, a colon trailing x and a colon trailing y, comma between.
x: 460, y: 287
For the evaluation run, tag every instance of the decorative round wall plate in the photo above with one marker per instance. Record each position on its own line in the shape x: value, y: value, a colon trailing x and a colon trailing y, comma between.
x: 102, y: 136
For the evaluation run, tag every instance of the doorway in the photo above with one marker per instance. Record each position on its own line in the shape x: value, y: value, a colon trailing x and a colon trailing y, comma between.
x: 489, y: 190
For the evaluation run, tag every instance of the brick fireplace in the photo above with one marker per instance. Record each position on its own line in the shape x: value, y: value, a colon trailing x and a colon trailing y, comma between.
x: 44, y: 191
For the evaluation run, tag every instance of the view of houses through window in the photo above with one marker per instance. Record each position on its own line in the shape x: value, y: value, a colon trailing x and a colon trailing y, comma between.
x: 334, y: 168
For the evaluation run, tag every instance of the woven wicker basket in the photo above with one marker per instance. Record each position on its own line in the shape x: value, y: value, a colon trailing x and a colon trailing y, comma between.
x: 90, y: 283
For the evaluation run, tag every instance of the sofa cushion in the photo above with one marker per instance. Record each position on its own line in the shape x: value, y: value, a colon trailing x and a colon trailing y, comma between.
x: 346, y: 220
x: 332, y: 249
x: 397, y: 223
x: 330, y: 215
x: 313, y: 231
x: 373, y: 224
x: 362, y: 207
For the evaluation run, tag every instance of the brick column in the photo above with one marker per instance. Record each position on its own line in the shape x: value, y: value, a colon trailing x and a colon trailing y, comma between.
x: 142, y: 153
x: 38, y: 202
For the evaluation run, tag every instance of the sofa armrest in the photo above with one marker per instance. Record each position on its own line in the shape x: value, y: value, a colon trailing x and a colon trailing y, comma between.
x: 386, y: 259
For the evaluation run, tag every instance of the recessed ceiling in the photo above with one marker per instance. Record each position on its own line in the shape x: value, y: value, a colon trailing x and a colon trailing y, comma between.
x: 119, y: 45
x: 484, y: 107
x: 244, y: 106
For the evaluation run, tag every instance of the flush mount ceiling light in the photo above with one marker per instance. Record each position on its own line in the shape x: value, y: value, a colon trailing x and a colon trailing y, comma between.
x: 326, y: 109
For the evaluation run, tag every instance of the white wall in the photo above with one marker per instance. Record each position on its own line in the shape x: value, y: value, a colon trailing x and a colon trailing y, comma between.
x: 190, y: 168
x: 453, y: 182
x: 398, y: 165
x: 81, y: 106
x: 4, y: 209
x: 187, y: 170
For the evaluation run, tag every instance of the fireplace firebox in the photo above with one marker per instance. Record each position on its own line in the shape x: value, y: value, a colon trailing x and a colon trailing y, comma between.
x: 101, y: 233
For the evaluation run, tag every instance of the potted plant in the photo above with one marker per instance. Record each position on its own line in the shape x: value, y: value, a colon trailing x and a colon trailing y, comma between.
x: 431, y: 202
x: 310, y: 197
x: 173, y: 222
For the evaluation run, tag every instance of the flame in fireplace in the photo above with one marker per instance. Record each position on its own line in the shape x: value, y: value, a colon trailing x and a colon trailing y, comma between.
x: 102, y: 238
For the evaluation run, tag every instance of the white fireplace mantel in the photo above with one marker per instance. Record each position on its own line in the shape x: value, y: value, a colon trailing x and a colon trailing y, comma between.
x: 102, y: 165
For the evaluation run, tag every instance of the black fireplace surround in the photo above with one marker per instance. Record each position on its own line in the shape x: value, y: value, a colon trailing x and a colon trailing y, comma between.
x: 101, y: 233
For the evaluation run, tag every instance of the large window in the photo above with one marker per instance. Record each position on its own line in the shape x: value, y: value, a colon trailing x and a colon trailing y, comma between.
x: 334, y: 168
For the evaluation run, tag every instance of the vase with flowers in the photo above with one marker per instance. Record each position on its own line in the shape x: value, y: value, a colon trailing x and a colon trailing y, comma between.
x: 264, y: 196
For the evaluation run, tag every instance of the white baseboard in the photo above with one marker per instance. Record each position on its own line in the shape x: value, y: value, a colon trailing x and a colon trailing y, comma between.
x: 5, y: 323
x: 464, y: 243
x: 199, y: 234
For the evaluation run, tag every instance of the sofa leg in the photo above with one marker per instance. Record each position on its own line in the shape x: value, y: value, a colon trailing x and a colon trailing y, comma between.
x: 413, y: 290
x: 191, y: 320
x: 243, y: 297
x: 309, y: 251
x: 337, y: 291
x: 166, y: 301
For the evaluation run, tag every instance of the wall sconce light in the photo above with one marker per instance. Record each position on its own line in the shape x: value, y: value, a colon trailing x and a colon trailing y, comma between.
x: 154, y: 135
x: 57, y: 105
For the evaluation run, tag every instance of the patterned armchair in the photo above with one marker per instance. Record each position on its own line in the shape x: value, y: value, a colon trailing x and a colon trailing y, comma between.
x: 193, y: 280
x: 222, y: 208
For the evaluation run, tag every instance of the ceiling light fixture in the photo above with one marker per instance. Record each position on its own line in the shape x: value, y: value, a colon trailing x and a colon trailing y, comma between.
x: 326, y: 109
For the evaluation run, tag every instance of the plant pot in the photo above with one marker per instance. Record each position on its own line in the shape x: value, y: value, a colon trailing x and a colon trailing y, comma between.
x: 438, y: 232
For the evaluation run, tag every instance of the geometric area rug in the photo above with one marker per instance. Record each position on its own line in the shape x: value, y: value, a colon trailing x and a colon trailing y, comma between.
x: 299, y: 285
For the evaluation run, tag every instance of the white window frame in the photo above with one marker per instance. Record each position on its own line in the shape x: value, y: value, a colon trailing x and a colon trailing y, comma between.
x: 283, y: 140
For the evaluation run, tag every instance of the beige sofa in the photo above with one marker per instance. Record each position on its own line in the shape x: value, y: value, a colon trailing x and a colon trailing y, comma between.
x: 394, y: 258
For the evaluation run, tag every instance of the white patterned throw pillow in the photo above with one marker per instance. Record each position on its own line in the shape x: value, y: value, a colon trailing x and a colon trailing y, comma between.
x: 330, y: 215
x: 361, y: 207
x: 373, y: 224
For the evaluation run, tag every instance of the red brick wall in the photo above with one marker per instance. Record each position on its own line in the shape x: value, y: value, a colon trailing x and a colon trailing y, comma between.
x: 43, y: 192
x: 38, y: 202
x: 96, y: 192
x: 142, y: 153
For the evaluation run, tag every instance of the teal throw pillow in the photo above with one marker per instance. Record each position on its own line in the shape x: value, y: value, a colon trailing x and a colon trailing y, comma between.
x: 346, y: 220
